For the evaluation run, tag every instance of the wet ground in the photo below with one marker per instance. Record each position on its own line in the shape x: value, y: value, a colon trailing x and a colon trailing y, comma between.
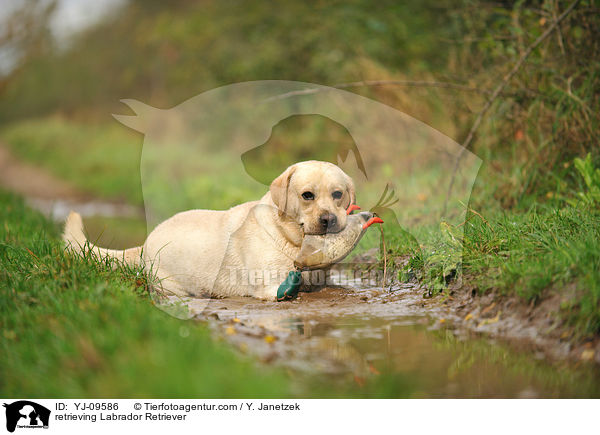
x: 355, y: 334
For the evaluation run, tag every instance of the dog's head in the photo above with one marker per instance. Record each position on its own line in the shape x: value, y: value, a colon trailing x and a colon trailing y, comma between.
x: 315, y: 195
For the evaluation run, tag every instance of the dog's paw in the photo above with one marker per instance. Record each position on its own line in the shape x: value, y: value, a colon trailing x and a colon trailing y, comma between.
x: 266, y: 293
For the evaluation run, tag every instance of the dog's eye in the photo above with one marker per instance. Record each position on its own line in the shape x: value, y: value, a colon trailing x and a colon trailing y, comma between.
x: 308, y: 196
x: 337, y: 194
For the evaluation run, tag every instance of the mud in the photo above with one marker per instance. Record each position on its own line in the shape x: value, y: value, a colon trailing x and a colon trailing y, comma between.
x: 309, y: 328
x: 536, y: 326
x: 354, y: 333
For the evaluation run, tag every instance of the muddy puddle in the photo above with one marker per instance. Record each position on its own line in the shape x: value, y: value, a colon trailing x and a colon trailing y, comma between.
x: 357, y: 334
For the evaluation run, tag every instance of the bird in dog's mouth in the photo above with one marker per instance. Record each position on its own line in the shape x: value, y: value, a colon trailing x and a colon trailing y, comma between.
x: 319, y: 251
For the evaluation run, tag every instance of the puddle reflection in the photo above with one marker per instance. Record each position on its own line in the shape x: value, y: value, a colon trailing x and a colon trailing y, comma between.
x: 440, y: 364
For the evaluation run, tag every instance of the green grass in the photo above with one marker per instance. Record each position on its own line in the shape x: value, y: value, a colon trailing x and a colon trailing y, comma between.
x: 542, y: 250
x: 73, y: 327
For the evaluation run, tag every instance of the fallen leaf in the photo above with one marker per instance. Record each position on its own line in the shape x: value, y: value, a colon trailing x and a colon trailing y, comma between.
x: 489, y: 308
x: 230, y: 330
x: 489, y: 321
x: 270, y: 339
x: 468, y: 317
x: 270, y: 357
x: 442, y: 320
x: 373, y: 370
x: 360, y: 381
x: 519, y: 135
x: 236, y: 320
x: 588, y: 355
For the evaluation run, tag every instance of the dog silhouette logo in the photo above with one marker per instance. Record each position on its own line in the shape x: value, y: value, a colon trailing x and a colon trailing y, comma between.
x: 415, y: 178
x: 26, y: 414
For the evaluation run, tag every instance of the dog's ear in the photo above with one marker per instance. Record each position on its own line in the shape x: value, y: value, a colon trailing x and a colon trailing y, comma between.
x: 280, y: 187
x: 351, y: 192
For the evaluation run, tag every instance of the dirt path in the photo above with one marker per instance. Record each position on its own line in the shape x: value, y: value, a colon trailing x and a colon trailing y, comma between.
x: 33, y: 182
x: 52, y: 196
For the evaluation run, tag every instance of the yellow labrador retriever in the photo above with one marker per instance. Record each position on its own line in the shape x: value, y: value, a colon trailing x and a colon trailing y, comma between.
x: 247, y: 250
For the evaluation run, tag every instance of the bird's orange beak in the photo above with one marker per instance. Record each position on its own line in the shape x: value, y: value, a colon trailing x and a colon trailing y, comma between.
x: 352, y: 208
x: 373, y: 220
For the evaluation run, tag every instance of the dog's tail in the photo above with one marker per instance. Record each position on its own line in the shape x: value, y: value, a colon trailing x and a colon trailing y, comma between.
x: 76, y: 242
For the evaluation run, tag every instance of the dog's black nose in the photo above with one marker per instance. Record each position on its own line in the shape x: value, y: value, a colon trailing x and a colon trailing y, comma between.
x: 328, y: 221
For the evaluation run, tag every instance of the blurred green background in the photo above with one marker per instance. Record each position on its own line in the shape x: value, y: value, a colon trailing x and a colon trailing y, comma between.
x: 58, y: 96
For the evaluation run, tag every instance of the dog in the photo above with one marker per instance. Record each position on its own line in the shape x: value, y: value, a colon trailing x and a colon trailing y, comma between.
x: 247, y: 250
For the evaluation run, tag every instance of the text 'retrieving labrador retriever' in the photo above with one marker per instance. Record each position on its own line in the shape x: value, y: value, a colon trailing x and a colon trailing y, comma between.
x: 247, y: 250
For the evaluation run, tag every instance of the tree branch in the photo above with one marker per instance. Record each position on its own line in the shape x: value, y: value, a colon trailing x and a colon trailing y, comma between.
x: 505, y: 80
x: 375, y: 83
